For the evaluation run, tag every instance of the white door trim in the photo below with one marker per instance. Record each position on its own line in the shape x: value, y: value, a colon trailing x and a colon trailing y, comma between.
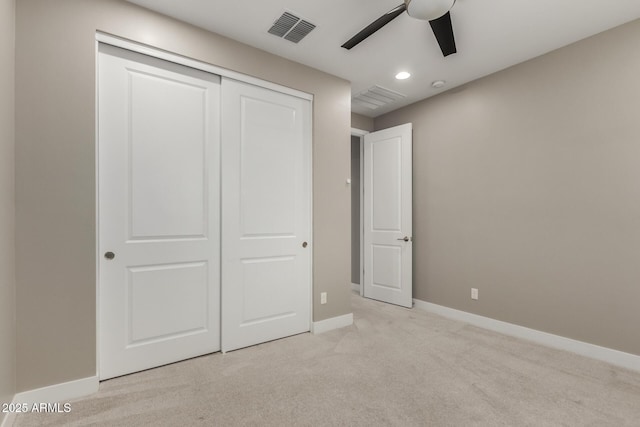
x: 198, y: 65
x: 360, y: 134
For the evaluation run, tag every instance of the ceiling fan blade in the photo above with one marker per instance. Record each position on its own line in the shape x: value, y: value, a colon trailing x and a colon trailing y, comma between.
x: 443, y: 30
x: 375, y: 26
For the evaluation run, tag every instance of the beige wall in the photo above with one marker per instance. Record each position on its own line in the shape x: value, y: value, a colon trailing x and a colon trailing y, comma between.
x: 55, y: 170
x: 361, y: 122
x: 7, y: 207
x: 527, y: 186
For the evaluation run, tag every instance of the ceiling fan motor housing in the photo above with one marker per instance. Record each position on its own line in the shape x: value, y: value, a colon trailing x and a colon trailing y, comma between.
x: 428, y: 10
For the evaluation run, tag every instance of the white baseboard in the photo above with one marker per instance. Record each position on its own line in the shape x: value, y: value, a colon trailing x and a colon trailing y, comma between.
x: 59, y: 393
x: 332, y: 323
x: 355, y: 287
x: 614, y: 357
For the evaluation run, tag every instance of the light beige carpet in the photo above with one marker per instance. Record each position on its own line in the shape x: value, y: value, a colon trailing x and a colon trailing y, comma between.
x: 394, y: 367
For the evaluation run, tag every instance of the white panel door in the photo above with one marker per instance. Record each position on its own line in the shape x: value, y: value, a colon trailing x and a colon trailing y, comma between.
x: 266, y: 212
x: 387, y: 204
x: 159, y: 213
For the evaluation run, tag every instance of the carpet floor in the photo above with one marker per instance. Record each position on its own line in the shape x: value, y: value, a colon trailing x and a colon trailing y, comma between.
x: 392, y: 367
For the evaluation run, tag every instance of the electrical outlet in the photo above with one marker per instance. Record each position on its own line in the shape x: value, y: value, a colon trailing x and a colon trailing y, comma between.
x: 323, y: 297
x: 474, y: 293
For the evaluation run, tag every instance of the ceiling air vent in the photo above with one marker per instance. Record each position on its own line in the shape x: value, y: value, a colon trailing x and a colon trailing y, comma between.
x: 291, y: 27
x: 376, y: 97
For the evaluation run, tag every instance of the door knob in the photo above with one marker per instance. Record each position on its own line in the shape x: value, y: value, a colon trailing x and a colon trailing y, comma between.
x: 405, y: 239
x: 304, y: 244
x: 109, y: 255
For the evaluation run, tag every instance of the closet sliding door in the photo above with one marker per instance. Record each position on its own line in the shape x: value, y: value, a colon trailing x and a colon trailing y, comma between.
x: 204, y: 212
x: 266, y: 215
x: 159, y: 212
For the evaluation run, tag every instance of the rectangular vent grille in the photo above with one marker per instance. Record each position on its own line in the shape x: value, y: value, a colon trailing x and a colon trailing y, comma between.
x: 284, y: 24
x: 300, y: 31
x: 291, y: 27
x: 376, y: 97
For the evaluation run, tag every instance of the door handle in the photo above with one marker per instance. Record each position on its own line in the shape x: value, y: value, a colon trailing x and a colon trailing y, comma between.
x: 109, y: 255
x: 405, y: 239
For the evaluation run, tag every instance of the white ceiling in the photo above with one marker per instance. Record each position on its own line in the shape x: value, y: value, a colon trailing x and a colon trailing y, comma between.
x: 490, y: 35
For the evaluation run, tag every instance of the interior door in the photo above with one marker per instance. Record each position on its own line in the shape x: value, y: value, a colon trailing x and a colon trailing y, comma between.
x: 266, y: 199
x: 159, y: 213
x: 387, y: 205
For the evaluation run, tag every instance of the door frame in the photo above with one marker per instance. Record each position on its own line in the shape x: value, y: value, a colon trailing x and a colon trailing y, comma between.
x: 359, y: 133
x: 123, y: 43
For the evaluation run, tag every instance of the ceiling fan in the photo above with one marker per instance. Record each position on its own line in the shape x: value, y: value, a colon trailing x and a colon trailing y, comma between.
x: 434, y: 11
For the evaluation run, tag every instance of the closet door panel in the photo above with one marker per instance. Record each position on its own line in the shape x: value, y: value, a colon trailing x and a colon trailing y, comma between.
x: 159, y: 212
x: 266, y: 216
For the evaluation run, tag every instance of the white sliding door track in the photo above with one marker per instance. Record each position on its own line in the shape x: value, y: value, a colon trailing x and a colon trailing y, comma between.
x: 198, y: 65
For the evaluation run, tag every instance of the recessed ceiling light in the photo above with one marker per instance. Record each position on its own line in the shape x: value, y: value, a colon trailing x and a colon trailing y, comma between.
x: 403, y: 75
x: 438, y: 84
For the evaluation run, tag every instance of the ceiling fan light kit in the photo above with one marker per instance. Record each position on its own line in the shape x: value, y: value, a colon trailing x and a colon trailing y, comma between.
x: 434, y: 11
x: 428, y: 10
